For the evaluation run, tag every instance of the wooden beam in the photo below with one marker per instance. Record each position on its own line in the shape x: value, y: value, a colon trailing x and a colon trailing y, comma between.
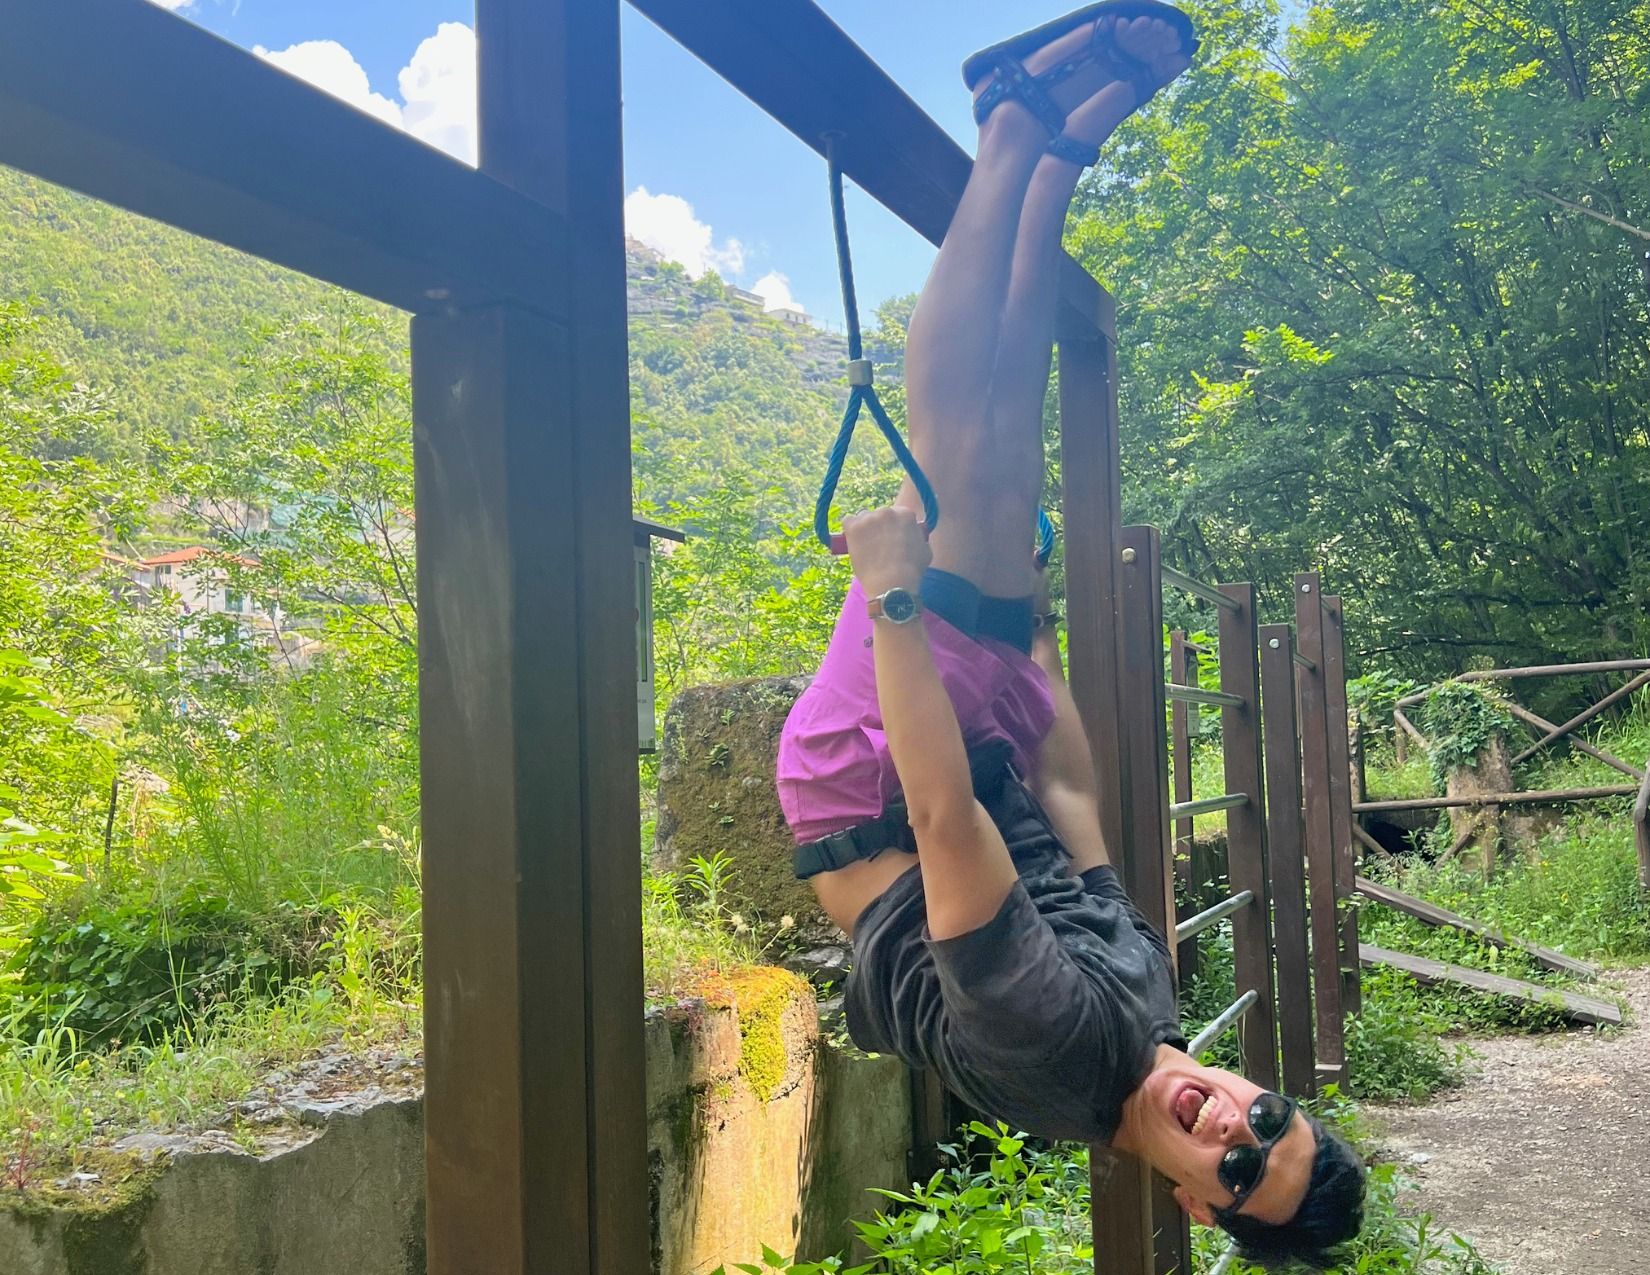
x: 1574, y: 1006
x: 1551, y: 670
x: 1340, y: 792
x: 789, y: 58
x: 1183, y: 665
x: 1246, y: 848
x: 1641, y: 830
x: 1145, y: 865
x: 535, y: 1095
x: 1580, y: 745
x: 1320, y: 829
x: 1369, y: 843
x: 132, y: 105
x: 1583, y: 717
x: 1286, y: 859
x: 1432, y: 914
x: 1546, y: 796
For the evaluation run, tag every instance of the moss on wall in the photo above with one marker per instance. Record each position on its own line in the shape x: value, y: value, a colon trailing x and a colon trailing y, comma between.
x: 766, y: 1000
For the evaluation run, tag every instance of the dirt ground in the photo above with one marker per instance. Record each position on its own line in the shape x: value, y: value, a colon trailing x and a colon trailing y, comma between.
x: 1543, y: 1157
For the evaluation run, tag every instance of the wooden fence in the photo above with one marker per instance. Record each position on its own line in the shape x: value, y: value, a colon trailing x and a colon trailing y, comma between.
x: 1547, y: 734
x: 514, y: 275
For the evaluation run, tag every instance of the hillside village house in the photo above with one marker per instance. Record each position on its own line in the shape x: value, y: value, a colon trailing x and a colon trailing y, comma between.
x: 199, y: 578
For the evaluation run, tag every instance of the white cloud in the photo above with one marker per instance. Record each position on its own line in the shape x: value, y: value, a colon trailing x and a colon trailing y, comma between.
x: 439, y: 88
x: 775, y: 291
x: 174, y: 5
x: 438, y: 84
x: 331, y: 67
x: 667, y: 224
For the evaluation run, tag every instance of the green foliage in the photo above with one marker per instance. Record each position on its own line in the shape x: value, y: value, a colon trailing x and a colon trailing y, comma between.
x: 1394, y: 1045
x: 1460, y: 719
x: 137, y: 972
x: 1013, y: 1208
x: 1372, y: 699
x: 1377, y: 317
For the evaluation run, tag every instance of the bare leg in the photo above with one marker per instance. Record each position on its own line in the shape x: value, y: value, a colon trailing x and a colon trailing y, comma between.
x: 980, y: 342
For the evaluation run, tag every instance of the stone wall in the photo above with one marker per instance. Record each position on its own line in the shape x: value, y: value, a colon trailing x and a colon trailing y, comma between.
x: 717, y: 795
x: 758, y: 1134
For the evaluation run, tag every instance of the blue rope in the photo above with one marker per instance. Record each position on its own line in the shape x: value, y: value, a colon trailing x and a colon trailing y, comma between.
x: 1045, y: 537
x: 863, y: 394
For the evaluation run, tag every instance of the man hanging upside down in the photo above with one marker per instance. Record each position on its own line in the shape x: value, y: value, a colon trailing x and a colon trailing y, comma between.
x: 936, y: 776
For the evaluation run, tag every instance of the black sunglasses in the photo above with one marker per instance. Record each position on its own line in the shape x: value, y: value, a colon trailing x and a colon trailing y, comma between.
x: 1242, y: 1168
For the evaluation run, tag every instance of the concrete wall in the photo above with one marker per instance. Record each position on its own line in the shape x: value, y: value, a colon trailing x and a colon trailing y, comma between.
x: 758, y: 1135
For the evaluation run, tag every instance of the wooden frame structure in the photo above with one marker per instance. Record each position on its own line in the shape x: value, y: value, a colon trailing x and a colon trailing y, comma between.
x: 1548, y: 734
x: 513, y: 273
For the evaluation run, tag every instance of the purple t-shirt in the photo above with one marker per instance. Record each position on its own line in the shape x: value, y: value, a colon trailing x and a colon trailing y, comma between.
x: 834, y: 767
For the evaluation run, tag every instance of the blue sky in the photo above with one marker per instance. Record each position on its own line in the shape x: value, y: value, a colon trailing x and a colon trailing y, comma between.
x: 755, y: 197
x: 710, y: 179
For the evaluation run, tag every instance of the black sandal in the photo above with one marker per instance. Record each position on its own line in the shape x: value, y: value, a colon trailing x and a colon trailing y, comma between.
x: 1031, y: 91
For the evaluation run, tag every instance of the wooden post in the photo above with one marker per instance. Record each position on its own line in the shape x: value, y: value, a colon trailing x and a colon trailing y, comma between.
x: 1286, y: 858
x: 1246, y: 834
x: 1320, y: 832
x: 1641, y: 829
x: 535, y: 1111
x: 1340, y: 791
x: 1146, y: 866
x: 1090, y: 470
x: 1183, y: 671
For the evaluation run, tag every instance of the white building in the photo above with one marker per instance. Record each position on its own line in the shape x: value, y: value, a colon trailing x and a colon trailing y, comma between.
x: 199, y: 577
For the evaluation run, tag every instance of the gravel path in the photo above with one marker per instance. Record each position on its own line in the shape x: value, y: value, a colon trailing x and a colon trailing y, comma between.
x: 1542, y: 1158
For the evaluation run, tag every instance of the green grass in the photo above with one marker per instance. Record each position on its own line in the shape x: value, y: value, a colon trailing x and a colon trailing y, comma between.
x: 60, y: 1101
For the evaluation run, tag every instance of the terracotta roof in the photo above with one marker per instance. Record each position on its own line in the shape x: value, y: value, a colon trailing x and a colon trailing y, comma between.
x: 193, y: 554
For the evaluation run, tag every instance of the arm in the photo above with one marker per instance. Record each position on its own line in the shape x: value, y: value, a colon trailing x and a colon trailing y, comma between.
x: 1065, y: 781
x: 966, y: 869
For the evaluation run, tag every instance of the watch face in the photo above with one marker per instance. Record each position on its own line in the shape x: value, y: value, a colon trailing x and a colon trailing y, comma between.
x: 899, y: 606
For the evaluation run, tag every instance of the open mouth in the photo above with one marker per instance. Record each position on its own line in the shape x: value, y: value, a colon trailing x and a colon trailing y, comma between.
x: 1194, y: 1107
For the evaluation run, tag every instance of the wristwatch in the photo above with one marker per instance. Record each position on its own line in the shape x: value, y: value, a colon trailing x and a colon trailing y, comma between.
x: 897, y: 606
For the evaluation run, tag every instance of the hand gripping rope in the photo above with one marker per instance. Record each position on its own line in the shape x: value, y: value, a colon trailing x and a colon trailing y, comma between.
x: 863, y: 393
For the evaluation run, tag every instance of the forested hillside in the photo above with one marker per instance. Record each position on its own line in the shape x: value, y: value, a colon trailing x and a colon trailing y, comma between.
x: 168, y: 327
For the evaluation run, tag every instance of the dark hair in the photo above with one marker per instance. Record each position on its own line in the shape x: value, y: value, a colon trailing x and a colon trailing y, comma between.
x: 1331, y: 1212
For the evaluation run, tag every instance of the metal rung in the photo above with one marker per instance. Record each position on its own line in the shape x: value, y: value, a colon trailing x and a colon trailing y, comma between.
x: 1213, y: 1032
x: 1205, y: 591
x: 1212, y: 916
x: 1208, y: 805
x: 1197, y: 695
x: 1305, y: 663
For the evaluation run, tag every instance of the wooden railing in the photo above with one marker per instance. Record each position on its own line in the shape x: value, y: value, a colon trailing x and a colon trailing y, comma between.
x: 1405, y: 731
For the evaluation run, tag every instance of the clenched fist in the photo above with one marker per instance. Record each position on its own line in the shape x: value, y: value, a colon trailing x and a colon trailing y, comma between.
x: 889, y: 549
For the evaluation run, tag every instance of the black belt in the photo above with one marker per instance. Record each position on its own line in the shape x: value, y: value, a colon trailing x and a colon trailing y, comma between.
x: 988, y: 766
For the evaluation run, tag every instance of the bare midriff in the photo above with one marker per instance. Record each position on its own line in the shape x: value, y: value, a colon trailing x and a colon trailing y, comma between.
x: 847, y: 892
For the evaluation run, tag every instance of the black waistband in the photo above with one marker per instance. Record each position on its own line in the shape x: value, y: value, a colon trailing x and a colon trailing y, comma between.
x: 989, y: 766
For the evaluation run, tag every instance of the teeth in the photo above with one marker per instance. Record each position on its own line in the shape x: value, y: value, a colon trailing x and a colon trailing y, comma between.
x: 1203, y: 1114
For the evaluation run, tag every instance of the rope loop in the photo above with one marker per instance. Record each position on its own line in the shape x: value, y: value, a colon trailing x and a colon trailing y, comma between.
x: 862, y: 392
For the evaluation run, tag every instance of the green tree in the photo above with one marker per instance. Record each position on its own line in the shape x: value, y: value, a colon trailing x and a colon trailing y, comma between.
x: 1383, y: 310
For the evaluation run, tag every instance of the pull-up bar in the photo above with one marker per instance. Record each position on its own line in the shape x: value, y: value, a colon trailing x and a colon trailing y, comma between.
x: 1208, y: 805
x: 1222, y: 1022
x: 1205, y: 591
x: 1197, y: 695
x: 1212, y: 916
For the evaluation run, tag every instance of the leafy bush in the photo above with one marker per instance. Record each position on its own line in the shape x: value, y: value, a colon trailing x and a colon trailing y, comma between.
x: 1394, y: 1046
x: 1459, y: 720
x: 139, y: 972
x: 1025, y: 1210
